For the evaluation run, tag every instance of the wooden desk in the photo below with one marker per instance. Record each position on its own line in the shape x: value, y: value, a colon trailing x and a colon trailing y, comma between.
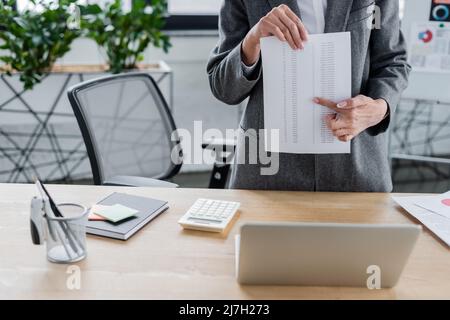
x: 164, y: 262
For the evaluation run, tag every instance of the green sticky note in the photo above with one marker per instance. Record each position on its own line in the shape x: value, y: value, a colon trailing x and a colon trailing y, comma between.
x: 114, y: 213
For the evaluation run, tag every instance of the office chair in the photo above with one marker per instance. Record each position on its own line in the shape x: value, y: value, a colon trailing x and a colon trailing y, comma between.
x: 128, y: 130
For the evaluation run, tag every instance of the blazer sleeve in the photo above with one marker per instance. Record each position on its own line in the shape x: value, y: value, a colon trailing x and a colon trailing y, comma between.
x: 230, y: 82
x: 389, y: 69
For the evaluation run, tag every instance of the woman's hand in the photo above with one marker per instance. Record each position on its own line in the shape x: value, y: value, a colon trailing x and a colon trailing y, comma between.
x: 353, y: 116
x: 280, y: 22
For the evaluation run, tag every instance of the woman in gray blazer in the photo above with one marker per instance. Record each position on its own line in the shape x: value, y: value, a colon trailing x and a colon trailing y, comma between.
x: 379, y: 75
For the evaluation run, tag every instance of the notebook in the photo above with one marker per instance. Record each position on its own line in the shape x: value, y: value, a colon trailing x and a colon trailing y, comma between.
x: 148, y: 210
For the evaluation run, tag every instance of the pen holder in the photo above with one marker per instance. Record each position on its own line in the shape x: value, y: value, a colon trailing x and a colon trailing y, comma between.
x: 65, y: 236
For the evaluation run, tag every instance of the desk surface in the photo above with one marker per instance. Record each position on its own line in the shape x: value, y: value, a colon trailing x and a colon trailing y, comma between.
x: 164, y: 262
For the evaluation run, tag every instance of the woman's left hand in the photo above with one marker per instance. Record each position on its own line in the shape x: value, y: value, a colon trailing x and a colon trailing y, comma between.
x: 353, y: 116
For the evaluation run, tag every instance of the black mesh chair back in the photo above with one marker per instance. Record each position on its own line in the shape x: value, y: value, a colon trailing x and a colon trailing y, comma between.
x: 127, y: 127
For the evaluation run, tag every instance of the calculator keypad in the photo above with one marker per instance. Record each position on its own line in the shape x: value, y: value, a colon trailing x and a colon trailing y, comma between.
x: 215, y: 212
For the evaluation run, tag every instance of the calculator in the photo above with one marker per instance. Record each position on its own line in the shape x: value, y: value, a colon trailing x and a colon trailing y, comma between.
x: 209, y: 215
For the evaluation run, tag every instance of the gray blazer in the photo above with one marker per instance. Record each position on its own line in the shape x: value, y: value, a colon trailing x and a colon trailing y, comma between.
x: 379, y: 70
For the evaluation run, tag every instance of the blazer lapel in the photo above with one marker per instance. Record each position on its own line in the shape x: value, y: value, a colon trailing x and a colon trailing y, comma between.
x: 290, y: 3
x: 337, y: 14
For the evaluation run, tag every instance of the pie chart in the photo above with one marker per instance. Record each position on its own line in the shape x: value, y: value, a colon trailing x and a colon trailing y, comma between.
x: 426, y: 36
x: 441, y: 12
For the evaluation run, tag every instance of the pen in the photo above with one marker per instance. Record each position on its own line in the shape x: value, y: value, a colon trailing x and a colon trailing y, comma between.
x: 73, y: 240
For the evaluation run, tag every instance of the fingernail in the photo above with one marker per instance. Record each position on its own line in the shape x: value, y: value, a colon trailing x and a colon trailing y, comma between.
x: 316, y: 100
x: 342, y: 104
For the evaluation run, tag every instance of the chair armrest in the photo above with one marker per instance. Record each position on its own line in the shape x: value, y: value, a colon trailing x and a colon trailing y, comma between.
x: 224, y: 149
x: 132, y: 181
x: 224, y: 145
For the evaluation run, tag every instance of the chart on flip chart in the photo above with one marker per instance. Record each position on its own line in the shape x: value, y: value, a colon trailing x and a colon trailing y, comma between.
x: 426, y: 27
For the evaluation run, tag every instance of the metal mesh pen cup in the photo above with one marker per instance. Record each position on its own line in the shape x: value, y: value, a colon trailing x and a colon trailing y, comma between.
x: 66, y: 236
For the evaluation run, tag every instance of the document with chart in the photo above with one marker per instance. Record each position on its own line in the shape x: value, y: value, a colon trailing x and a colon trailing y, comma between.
x: 291, y: 81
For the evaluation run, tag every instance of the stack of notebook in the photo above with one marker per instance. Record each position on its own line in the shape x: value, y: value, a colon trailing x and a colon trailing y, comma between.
x: 120, y: 216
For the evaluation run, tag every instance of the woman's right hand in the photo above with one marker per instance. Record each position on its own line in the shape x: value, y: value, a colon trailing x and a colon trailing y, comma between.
x: 282, y: 23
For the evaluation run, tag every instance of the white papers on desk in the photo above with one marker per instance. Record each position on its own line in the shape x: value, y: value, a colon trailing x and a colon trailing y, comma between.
x: 436, y: 223
x: 439, y: 204
x: 291, y: 81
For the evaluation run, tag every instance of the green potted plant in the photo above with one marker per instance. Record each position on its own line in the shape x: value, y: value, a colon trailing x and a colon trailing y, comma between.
x: 124, y: 35
x: 33, y: 40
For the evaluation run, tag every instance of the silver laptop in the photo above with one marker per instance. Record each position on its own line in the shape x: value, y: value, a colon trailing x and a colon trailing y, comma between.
x: 323, y: 254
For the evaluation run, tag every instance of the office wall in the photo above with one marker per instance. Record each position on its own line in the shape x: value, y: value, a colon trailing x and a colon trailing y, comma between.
x: 425, y: 85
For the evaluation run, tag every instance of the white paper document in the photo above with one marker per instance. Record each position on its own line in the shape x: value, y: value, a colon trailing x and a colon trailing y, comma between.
x: 292, y: 78
x: 439, y: 204
x: 429, y: 49
x: 436, y: 223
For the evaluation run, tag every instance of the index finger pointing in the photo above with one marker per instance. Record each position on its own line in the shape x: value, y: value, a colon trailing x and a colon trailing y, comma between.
x: 327, y: 103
